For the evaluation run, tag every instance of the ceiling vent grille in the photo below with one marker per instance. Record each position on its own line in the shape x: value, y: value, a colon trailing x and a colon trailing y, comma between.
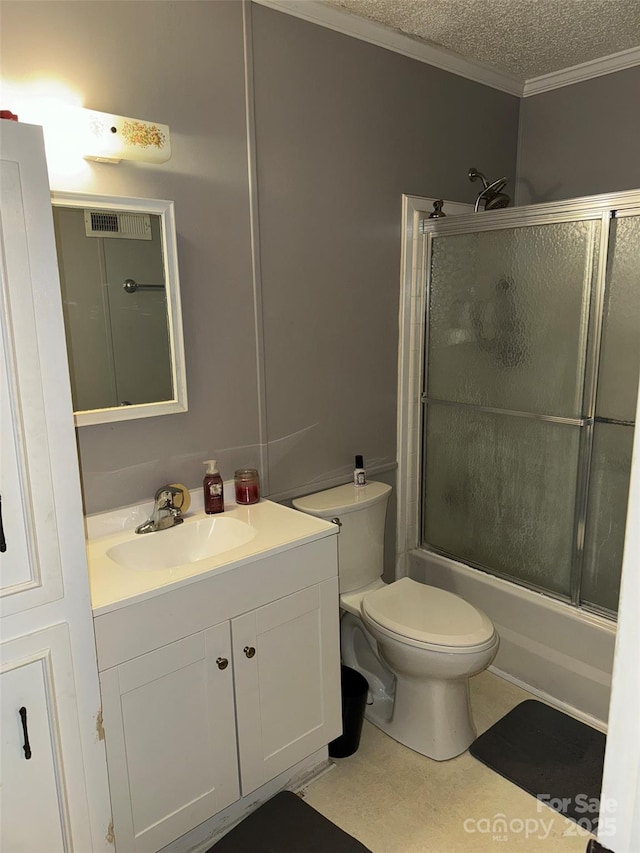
x: 131, y: 226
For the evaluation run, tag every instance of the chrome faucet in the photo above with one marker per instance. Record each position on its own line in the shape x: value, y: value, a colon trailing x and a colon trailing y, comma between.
x: 165, y: 512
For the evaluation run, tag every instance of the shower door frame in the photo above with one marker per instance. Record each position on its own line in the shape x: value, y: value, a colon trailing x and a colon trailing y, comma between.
x: 413, y: 349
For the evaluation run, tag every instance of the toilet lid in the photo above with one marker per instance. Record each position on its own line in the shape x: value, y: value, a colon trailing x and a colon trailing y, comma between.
x: 342, y: 499
x: 427, y: 614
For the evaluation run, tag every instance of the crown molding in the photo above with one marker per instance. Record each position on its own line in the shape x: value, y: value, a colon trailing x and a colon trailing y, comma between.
x: 584, y: 71
x: 344, y: 22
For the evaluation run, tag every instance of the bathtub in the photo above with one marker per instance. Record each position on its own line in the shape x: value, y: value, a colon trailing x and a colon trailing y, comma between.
x: 554, y: 650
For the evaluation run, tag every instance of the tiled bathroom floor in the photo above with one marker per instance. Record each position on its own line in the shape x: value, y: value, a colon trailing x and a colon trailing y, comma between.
x: 396, y: 801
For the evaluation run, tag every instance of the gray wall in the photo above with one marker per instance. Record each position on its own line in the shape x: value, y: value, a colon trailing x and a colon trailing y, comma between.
x: 180, y: 64
x: 343, y: 128
x: 581, y: 140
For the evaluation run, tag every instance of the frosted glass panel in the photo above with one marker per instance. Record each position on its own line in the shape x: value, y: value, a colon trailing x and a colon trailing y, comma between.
x: 508, y: 315
x: 607, y: 513
x: 620, y: 354
x: 500, y: 491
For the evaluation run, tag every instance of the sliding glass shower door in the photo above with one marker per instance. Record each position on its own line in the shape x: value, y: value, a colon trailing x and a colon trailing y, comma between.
x: 614, y: 417
x: 513, y: 429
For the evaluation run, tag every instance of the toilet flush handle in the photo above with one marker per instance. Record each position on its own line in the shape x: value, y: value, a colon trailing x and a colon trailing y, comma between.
x: 337, y: 521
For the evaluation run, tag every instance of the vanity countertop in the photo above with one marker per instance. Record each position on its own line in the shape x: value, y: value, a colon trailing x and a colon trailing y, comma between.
x: 277, y: 528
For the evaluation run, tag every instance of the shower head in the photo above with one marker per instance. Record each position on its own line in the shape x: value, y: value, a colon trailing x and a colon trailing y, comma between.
x: 497, y: 201
x: 491, y: 193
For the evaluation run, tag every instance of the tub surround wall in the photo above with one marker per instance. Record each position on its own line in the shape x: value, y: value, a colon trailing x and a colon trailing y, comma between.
x: 342, y: 129
x: 564, y: 654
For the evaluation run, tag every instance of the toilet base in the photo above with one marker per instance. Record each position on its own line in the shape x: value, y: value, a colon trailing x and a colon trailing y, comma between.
x: 431, y: 717
x: 428, y: 713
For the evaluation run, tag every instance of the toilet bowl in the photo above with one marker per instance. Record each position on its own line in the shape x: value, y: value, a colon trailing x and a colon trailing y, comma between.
x: 416, y: 645
x: 429, y: 643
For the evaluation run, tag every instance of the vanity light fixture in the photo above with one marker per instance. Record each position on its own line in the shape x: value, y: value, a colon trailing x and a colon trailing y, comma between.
x: 112, y: 138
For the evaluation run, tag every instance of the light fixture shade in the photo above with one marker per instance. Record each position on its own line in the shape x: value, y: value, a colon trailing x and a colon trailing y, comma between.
x: 112, y: 138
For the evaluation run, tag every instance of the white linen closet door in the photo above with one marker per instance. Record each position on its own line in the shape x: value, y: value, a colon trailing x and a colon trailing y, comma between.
x: 31, y: 571
x: 54, y: 795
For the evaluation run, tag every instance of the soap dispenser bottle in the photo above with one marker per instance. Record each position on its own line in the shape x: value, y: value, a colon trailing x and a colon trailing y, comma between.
x: 213, y: 488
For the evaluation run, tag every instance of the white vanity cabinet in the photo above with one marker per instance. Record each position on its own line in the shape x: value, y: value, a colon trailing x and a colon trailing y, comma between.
x: 214, y: 688
x: 286, y: 698
x: 171, y: 738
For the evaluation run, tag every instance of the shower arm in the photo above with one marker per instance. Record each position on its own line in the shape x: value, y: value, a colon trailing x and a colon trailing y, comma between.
x: 473, y: 175
x: 497, y: 184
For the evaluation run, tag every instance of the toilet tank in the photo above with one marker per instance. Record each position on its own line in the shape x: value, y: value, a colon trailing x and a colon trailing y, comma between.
x: 362, y: 511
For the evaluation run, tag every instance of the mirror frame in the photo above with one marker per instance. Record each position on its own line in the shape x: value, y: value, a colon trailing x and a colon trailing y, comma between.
x: 165, y: 210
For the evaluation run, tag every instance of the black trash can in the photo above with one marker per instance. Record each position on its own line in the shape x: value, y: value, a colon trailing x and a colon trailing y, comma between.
x: 354, y: 699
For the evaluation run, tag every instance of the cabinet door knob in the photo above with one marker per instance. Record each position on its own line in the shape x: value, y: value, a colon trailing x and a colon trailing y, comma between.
x: 249, y: 651
x: 223, y: 663
x: 25, y: 733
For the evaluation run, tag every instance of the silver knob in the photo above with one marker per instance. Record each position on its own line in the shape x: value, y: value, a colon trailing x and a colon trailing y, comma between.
x: 223, y: 663
x: 249, y: 651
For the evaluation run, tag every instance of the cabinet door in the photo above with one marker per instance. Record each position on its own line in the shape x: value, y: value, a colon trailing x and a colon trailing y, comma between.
x: 43, y: 574
x: 171, y: 744
x: 43, y: 802
x: 30, y: 569
x: 287, y: 677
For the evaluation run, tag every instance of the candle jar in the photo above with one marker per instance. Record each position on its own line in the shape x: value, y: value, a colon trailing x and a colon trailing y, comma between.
x: 247, y: 485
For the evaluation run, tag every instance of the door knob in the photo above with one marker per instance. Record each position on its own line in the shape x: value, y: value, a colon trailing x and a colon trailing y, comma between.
x: 249, y: 651
x: 223, y: 663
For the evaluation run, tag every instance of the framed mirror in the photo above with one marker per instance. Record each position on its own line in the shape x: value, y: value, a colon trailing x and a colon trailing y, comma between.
x: 121, y: 300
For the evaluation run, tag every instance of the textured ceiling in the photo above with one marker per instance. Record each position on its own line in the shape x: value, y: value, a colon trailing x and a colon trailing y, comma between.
x: 525, y: 38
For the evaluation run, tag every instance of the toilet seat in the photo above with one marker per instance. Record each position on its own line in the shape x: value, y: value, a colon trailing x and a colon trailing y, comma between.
x: 437, y: 648
x: 428, y: 617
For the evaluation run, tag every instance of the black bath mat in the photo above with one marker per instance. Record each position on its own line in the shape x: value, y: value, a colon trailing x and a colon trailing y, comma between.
x: 286, y: 824
x: 549, y: 755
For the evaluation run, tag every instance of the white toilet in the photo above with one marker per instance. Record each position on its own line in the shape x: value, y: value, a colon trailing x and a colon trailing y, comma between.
x: 416, y: 645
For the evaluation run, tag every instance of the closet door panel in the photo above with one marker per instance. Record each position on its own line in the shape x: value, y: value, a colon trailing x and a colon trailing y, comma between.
x: 29, y: 784
x: 30, y: 568
x: 42, y: 798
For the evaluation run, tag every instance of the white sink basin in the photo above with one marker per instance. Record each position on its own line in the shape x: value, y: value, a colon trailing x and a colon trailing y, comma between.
x: 185, y: 543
